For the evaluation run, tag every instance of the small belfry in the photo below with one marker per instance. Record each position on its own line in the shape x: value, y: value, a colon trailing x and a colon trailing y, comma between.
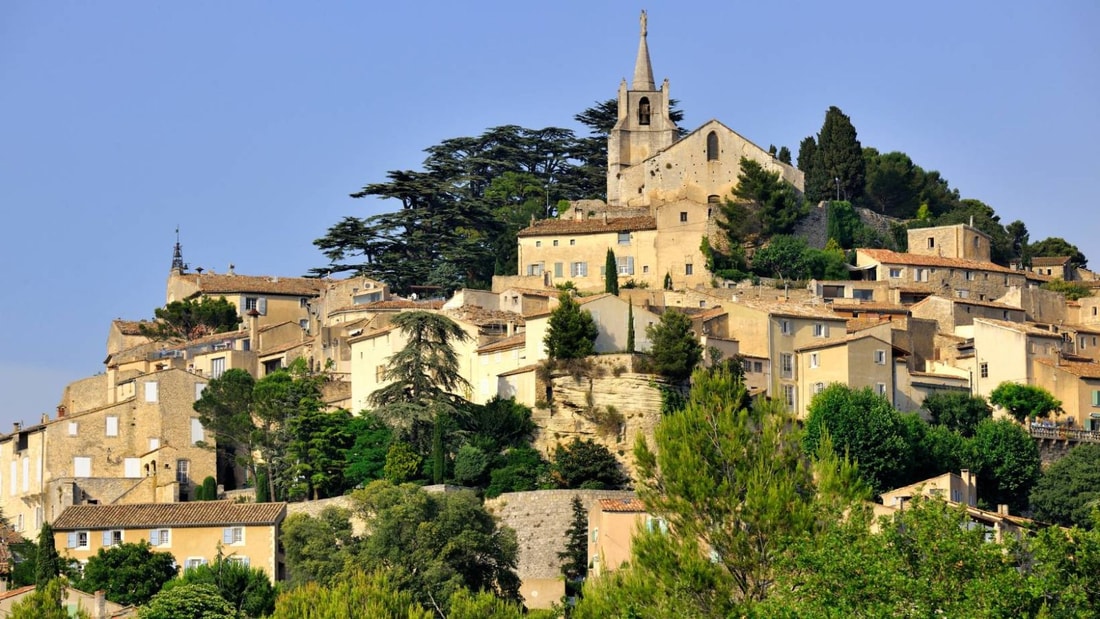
x: 178, y: 265
x: 644, y: 127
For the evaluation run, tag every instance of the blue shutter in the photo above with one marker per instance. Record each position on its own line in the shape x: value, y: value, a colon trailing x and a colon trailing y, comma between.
x: 227, y: 535
x: 1096, y: 398
x: 154, y: 537
x: 72, y: 541
x: 106, y: 538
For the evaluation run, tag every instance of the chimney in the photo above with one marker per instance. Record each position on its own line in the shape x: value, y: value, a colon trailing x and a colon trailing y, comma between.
x: 511, y: 328
x: 231, y: 267
x: 60, y: 411
x: 605, y: 218
x: 17, y: 426
x: 45, y: 418
x: 1002, y: 509
x: 100, y: 610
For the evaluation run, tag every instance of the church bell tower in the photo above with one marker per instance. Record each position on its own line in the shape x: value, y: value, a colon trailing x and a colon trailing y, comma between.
x: 643, y: 127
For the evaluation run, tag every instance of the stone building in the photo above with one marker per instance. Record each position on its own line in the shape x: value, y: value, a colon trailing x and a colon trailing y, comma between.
x: 663, y: 194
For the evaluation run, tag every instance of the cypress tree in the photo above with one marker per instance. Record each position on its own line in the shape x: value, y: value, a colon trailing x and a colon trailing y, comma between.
x: 209, y: 489
x: 785, y: 155
x: 630, y: 327
x: 611, y: 273
x: 48, y: 563
x: 437, y: 450
x: 575, y: 556
x: 839, y: 155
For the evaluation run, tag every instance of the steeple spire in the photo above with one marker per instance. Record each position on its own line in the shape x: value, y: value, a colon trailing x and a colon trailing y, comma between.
x: 643, y: 71
x: 177, y: 255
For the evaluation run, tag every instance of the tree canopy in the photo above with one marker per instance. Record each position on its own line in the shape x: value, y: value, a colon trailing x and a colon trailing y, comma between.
x: 586, y: 464
x: 130, y: 573
x: 191, y: 319
x: 957, y: 410
x: 1068, y: 491
x: 570, y: 333
x: 672, y: 344
x: 1024, y: 402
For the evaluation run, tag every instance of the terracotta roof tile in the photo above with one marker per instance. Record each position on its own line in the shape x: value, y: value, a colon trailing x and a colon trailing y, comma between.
x: 1077, y: 368
x: 538, y: 292
x: 547, y: 227
x: 480, y: 316
x: 191, y: 514
x: 515, y: 341
x: 131, y: 327
x: 886, y: 256
x: 400, y: 304
x: 1019, y: 327
x: 1049, y: 261
x: 622, y: 505
x: 210, y: 283
x: 888, y: 308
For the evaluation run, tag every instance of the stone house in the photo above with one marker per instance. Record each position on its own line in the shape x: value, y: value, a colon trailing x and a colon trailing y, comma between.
x: 858, y: 360
x: 73, y: 600
x: 953, y: 241
x: 1058, y: 267
x: 192, y: 532
x: 574, y: 249
x: 142, y: 445
x: 1006, y: 352
x: 917, y: 276
x: 1076, y: 384
x: 949, y: 312
x: 612, y: 523
x: 773, y: 329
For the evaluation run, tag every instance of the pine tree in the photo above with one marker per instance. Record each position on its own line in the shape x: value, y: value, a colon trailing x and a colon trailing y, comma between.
x: 571, y: 332
x: 48, y: 563
x: 611, y: 273
x: 785, y: 155
x: 575, y: 556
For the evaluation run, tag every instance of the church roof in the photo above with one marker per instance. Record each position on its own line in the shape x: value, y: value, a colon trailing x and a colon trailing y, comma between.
x: 209, y: 283
x: 548, y: 227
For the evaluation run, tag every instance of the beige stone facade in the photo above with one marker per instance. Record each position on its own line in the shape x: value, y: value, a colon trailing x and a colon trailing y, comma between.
x: 955, y: 241
x: 859, y: 361
x: 191, y: 532
x: 917, y: 276
x: 1006, y: 352
x: 949, y: 313
x: 1077, y: 385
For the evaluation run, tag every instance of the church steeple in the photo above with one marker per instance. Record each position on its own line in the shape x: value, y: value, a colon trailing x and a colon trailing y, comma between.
x: 643, y: 70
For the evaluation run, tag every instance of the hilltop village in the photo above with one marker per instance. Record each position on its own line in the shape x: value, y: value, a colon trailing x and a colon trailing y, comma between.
x: 125, y: 455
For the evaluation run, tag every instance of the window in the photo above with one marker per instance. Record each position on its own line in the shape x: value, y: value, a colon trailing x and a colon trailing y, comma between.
x: 26, y: 474
x: 683, y: 216
x: 786, y: 365
x: 534, y: 269
x: 196, y: 431
x: 558, y: 269
x: 712, y: 146
x: 689, y: 269
x: 931, y: 242
x: 624, y: 238
x: 785, y: 327
x: 814, y: 360
x: 963, y: 294
x: 233, y: 536
x: 595, y: 534
x: 969, y: 276
x: 645, y: 268
x: 151, y: 391
x: 112, y: 425
x: 303, y: 302
x: 818, y: 388
x: 758, y: 366
x: 895, y: 273
x: 1096, y: 397
x: 160, y: 537
x: 821, y: 329
x: 199, y: 389
x: 643, y: 111
x: 572, y: 241
x: 112, y: 538
x: 555, y: 242
x: 304, y: 324
x: 920, y: 275
x: 379, y: 373
x: 82, y: 466
x: 183, y: 472
x: 578, y: 269
x: 653, y: 523
x: 880, y: 388
x: 746, y: 364
x: 238, y: 560
x: 251, y: 303
x: 193, y: 562
x: 880, y: 357
x: 538, y: 243
x: 131, y: 468
x: 984, y: 370
x: 154, y: 443
x: 789, y: 396
x: 73, y: 428
x: 78, y: 540
x: 625, y: 265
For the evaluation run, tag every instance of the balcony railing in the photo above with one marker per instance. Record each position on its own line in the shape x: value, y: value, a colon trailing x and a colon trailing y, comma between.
x: 1063, y: 434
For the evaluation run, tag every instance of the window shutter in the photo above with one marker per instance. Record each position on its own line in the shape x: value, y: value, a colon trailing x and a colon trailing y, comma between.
x: 227, y: 535
x: 261, y: 306
x: 244, y: 561
x: 630, y: 265
x: 72, y: 541
x: 106, y: 538
x: 154, y: 537
x: 825, y: 330
x: 1096, y: 398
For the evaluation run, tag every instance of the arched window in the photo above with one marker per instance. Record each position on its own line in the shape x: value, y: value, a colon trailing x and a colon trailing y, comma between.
x: 712, y: 199
x: 712, y: 146
x: 643, y: 111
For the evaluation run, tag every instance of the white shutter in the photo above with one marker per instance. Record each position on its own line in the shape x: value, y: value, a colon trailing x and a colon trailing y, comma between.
x: 82, y: 466
x: 132, y: 467
x: 198, y: 390
x: 154, y: 537
x: 71, y: 543
x: 151, y: 391
x: 112, y: 425
x: 106, y: 539
x: 261, y: 306
x: 154, y: 443
x: 630, y: 265
x: 196, y: 431
x: 26, y: 474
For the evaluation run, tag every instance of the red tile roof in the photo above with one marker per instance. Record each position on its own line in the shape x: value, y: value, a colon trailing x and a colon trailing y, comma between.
x: 515, y: 341
x: 622, y: 505
x: 1049, y: 261
x: 547, y: 227
x: 1077, y: 368
x: 209, y: 283
x: 885, y: 256
x: 191, y: 514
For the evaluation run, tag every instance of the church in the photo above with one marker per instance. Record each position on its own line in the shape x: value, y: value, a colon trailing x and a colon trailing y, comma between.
x: 663, y: 196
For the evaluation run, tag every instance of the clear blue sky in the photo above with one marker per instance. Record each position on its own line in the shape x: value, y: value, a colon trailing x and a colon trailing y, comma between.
x: 248, y: 123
